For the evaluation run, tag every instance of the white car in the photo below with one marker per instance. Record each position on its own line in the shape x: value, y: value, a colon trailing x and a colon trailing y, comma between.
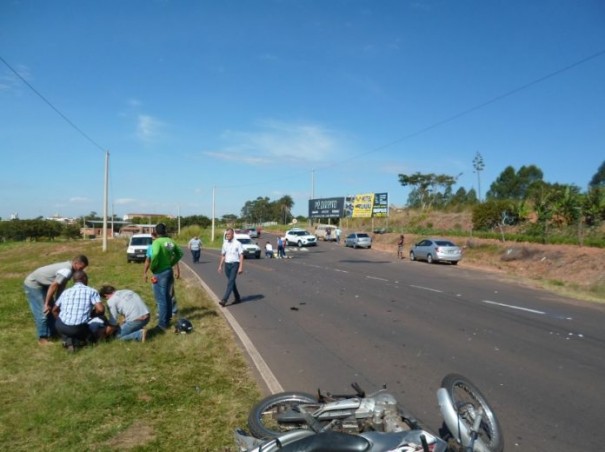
x: 300, y: 237
x: 137, y: 247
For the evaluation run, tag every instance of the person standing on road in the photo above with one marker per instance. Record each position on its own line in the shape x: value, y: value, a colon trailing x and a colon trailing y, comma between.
x: 195, y: 246
x: 165, y: 254
x: 400, y: 244
x: 43, y: 286
x: 338, y: 232
x: 232, y: 257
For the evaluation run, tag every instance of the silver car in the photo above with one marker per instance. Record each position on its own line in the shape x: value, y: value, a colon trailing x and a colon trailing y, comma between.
x: 358, y: 240
x: 436, y: 250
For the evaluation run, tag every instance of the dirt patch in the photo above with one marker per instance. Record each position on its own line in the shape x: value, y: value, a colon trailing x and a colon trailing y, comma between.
x: 137, y: 435
x: 570, y: 270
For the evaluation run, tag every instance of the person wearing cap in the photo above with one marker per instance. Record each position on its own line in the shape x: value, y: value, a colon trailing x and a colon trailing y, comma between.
x: 165, y: 254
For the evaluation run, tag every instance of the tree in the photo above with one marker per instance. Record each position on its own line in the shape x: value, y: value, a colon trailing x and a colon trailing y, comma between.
x: 478, y: 166
x: 426, y: 188
x: 598, y: 180
x: 515, y: 185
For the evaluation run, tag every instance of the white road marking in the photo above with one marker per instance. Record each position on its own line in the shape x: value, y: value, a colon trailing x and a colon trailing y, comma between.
x: 520, y: 308
x: 426, y: 288
x: 375, y: 277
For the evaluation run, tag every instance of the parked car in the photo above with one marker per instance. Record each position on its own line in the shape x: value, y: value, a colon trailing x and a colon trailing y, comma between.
x: 252, y: 232
x: 436, y: 250
x: 321, y: 231
x: 300, y: 237
x: 251, y: 248
x: 137, y: 247
x: 358, y: 240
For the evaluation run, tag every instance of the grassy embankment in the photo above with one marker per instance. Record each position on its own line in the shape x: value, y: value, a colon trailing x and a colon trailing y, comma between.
x: 185, y: 392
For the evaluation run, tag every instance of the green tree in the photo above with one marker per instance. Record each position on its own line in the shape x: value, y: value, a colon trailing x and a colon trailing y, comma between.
x: 428, y: 189
x: 515, y: 185
x: 598, y: 180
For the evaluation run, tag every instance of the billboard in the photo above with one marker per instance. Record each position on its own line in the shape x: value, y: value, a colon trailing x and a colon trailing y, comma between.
x: 367, y: 205
x: 326, y: 208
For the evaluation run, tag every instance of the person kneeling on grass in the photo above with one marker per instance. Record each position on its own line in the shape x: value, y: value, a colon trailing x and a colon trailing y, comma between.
x: 131, y: 306
x: 72, y: 311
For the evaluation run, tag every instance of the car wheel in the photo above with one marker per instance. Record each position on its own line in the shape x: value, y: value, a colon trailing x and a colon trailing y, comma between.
x: 454, y: 262
x: 412, y: 256
x: 429, y: 258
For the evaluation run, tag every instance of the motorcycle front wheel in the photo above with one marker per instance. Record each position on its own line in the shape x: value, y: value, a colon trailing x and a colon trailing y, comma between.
x: 468, y: 402
x: 263, y: 420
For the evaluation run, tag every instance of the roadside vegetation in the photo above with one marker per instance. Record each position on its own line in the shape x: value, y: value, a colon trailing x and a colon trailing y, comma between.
x: 185, y: 392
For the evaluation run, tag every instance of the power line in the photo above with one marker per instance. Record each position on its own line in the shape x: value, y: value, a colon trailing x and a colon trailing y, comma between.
x: 478, y: 106
x: 94, y: 143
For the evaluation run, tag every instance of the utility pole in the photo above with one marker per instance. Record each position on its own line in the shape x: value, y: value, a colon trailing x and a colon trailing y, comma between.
x: 105, y: 201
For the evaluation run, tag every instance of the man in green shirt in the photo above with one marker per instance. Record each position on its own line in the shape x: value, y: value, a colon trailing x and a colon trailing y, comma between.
x: 165, y: 254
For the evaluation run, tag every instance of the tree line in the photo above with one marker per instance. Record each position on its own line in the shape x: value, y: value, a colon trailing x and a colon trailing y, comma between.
x: 516, y: 198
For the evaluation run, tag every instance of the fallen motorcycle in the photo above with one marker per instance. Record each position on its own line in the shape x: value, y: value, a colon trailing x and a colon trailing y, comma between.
x: 297, y: 421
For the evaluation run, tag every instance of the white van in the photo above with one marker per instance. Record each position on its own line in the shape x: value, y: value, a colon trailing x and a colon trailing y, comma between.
x: 321, y: 232
x: 137, y: 247
x: 251, y: 249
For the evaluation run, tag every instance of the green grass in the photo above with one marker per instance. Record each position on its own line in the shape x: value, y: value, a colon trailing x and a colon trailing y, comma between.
x: 175, y: 391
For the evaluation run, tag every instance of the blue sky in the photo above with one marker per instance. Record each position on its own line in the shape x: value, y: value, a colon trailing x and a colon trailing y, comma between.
x: 289, y: 97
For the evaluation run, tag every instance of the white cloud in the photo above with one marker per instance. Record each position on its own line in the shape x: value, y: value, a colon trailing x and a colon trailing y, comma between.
x: 148, y: 128
x: 278, y: 141
x: 9, y: 81
x: 78, y: 200
x: 124, y: 201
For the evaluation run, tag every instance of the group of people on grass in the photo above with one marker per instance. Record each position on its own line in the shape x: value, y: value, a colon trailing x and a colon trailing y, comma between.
x: 79, y: 315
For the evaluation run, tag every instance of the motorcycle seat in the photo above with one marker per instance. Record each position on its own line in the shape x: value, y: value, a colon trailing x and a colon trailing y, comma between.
x: 329, y: 442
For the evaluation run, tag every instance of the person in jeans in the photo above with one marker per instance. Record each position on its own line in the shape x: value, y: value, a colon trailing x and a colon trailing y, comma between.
x: 165, y: 254
x: 232, y: 256
x: 195, y: 246
x: 73, y: 309
x: 131, y: 307
x: 177, y: 275
x: 43, y: 286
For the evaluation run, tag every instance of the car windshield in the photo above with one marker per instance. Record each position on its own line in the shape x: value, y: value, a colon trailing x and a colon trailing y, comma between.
x: 444, y: 243
x: 139, y: 241
x: 244, y: 241
x: 363, y: 235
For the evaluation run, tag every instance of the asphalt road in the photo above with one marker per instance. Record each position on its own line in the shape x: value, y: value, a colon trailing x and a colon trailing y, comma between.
x: 330, y: 315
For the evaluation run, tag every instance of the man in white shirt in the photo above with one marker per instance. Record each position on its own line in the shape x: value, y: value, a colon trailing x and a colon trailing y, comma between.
x: 232, y: 256
x: 195, y: 246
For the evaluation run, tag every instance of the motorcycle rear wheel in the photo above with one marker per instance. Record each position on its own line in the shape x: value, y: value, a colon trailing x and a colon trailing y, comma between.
x: 467, y: 398
x: 262, y: 420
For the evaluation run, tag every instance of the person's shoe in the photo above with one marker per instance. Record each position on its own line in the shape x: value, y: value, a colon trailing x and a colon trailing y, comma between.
x: 143, y: 335
x: 44, y: 341
x: 222, y: 303
x: 71, y: 348
x: 239, y: 300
